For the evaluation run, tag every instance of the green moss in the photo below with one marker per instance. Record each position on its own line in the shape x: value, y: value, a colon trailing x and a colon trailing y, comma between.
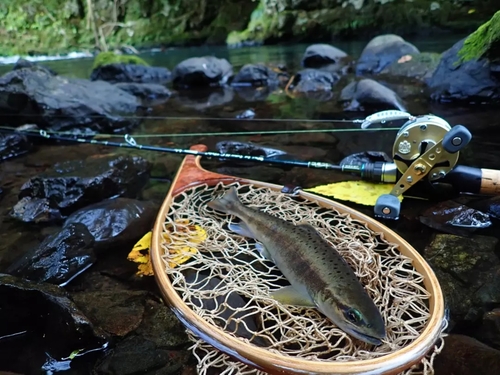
x: 484, y: 42
x: 106, y: 58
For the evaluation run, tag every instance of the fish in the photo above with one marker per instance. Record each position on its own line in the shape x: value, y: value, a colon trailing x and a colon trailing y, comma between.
x: 319, y: 276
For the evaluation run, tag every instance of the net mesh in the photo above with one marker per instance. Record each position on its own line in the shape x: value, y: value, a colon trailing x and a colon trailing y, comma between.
x: 227, y: 282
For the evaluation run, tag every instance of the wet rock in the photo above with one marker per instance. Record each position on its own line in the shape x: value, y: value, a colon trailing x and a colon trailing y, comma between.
x: 491, y: 206
x: 74, y: 184
x: 468, y: 271
x: 161, y: 326
x: 52, y: 324
x: 65, y: 104
x: 259, y: 75
x: 366, y: 157
x: 12, y: 145
x: 463, y: 355
x: 324, y: 55
x: 419, y: 66
x: 205, y: 98
x: 309, y: 81
x: 116, y: 222
x: 136, y: 355
x: 131, y: 73
x: 382, y: 51
x: 59, y: 258
x: 490, y: 328
x: 473, y: 80
x: 148, y: 91
x: 117, y: 312
x: 370, y: 93
x: 454, y: 218
x: 246, y: 148
x: 205, y: 71
x: 23, y: 63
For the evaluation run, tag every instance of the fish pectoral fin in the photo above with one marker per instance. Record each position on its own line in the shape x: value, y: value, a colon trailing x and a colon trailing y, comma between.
x: 288, y: 295
x: 242, y: 229
x: 263, y: 251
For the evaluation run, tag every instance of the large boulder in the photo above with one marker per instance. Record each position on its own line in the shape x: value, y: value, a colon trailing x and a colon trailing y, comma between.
x: 259, y: 75
x: 207, y: 71
x: 382, y: 51
x: 324, y: 55
x: 368, y: 92
x: 65, y: 104
x: 456, y: 79
x: 309, y: 81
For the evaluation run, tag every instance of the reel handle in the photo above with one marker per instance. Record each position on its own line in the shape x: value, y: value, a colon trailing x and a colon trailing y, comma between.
x: 457, y: 138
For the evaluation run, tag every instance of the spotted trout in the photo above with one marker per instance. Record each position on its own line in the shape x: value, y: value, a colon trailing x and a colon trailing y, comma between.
x: 318, y: 274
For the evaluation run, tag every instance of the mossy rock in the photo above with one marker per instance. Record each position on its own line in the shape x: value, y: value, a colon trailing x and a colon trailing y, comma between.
x: 107, y: 58
x: 484, y: 42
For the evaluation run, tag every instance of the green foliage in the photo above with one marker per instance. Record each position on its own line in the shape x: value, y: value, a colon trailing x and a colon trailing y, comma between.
x: 484, y: 42
x: 106, y: 58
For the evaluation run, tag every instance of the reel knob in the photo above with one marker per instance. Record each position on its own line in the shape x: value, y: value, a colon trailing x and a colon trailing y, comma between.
x: 456, y: 139
x: 387, y: 206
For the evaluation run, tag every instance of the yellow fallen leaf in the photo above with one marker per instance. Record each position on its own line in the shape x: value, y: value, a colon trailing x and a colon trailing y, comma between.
x: 178, y: 238
x: 140, y: 254
x: 361, y: 192
x: 471, y: 11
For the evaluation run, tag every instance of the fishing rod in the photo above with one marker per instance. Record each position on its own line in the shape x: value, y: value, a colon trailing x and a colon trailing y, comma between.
x: 377, y: 171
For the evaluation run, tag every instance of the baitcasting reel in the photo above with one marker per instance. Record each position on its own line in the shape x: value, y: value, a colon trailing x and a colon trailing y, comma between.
x: 425, y: 147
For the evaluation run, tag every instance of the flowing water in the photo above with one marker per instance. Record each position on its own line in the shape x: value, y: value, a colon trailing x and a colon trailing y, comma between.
x: 173, y: 121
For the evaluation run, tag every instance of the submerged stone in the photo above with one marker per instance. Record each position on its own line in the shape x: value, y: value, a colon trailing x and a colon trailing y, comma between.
x: 43, y: 320
x: 75, y: 184
x: 207, y: 71
x: 371, y: 94
x: 259, y: 75
x: 59, y: 258
x: 12, y: 145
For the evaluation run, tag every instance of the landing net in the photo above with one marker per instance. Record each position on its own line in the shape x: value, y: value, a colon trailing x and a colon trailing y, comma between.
x: 227, y: 282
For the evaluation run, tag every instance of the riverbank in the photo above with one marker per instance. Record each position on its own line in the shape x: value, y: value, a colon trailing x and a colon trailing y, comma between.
x: 52, y: 29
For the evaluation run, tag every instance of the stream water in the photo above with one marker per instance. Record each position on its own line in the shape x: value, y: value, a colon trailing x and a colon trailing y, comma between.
x: 172, y: 121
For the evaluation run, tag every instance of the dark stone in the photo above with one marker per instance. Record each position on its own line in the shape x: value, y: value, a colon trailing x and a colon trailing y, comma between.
x: 51, y: 322
x: 321, y: 55
x: 23, y: 63
x: 382, y: 51
x: 372, y: 94
x: 161, y: 326
x: 148, y: 91
x: 76, y: 184
x: 473, y: 80
x: 419, y: 66
x: 65, y: 104
x: 116, y: 222
x: 132, y: 73
x: 205, y: 71
x: 12, y: 145
x: 468, y: 271
x: 463, y: 355
x: 314, y: 83
x: 259, y: 75
x: 59, y: 258
x: 366, y: 157
x: 136, y: 355
x: 491, y: 206
x: 490, y: 328
x: 116, y: 312
x: 254, y: 94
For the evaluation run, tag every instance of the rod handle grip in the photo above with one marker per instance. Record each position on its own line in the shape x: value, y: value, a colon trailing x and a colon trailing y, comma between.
x: 490, y: 182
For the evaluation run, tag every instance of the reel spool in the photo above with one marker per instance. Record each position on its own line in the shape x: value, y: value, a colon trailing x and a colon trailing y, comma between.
x: 425, y: 147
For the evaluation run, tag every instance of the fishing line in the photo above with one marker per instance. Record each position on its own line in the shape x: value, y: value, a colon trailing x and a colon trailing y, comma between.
x: 209, y: 134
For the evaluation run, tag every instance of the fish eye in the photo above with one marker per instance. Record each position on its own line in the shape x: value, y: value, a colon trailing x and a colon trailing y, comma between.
x: 353, y: 315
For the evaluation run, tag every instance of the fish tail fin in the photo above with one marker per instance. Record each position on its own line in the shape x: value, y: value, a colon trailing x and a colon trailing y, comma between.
x: 228, y: 203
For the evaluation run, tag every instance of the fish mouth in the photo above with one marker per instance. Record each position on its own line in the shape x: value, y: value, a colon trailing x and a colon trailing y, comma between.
x: 367, y: 338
